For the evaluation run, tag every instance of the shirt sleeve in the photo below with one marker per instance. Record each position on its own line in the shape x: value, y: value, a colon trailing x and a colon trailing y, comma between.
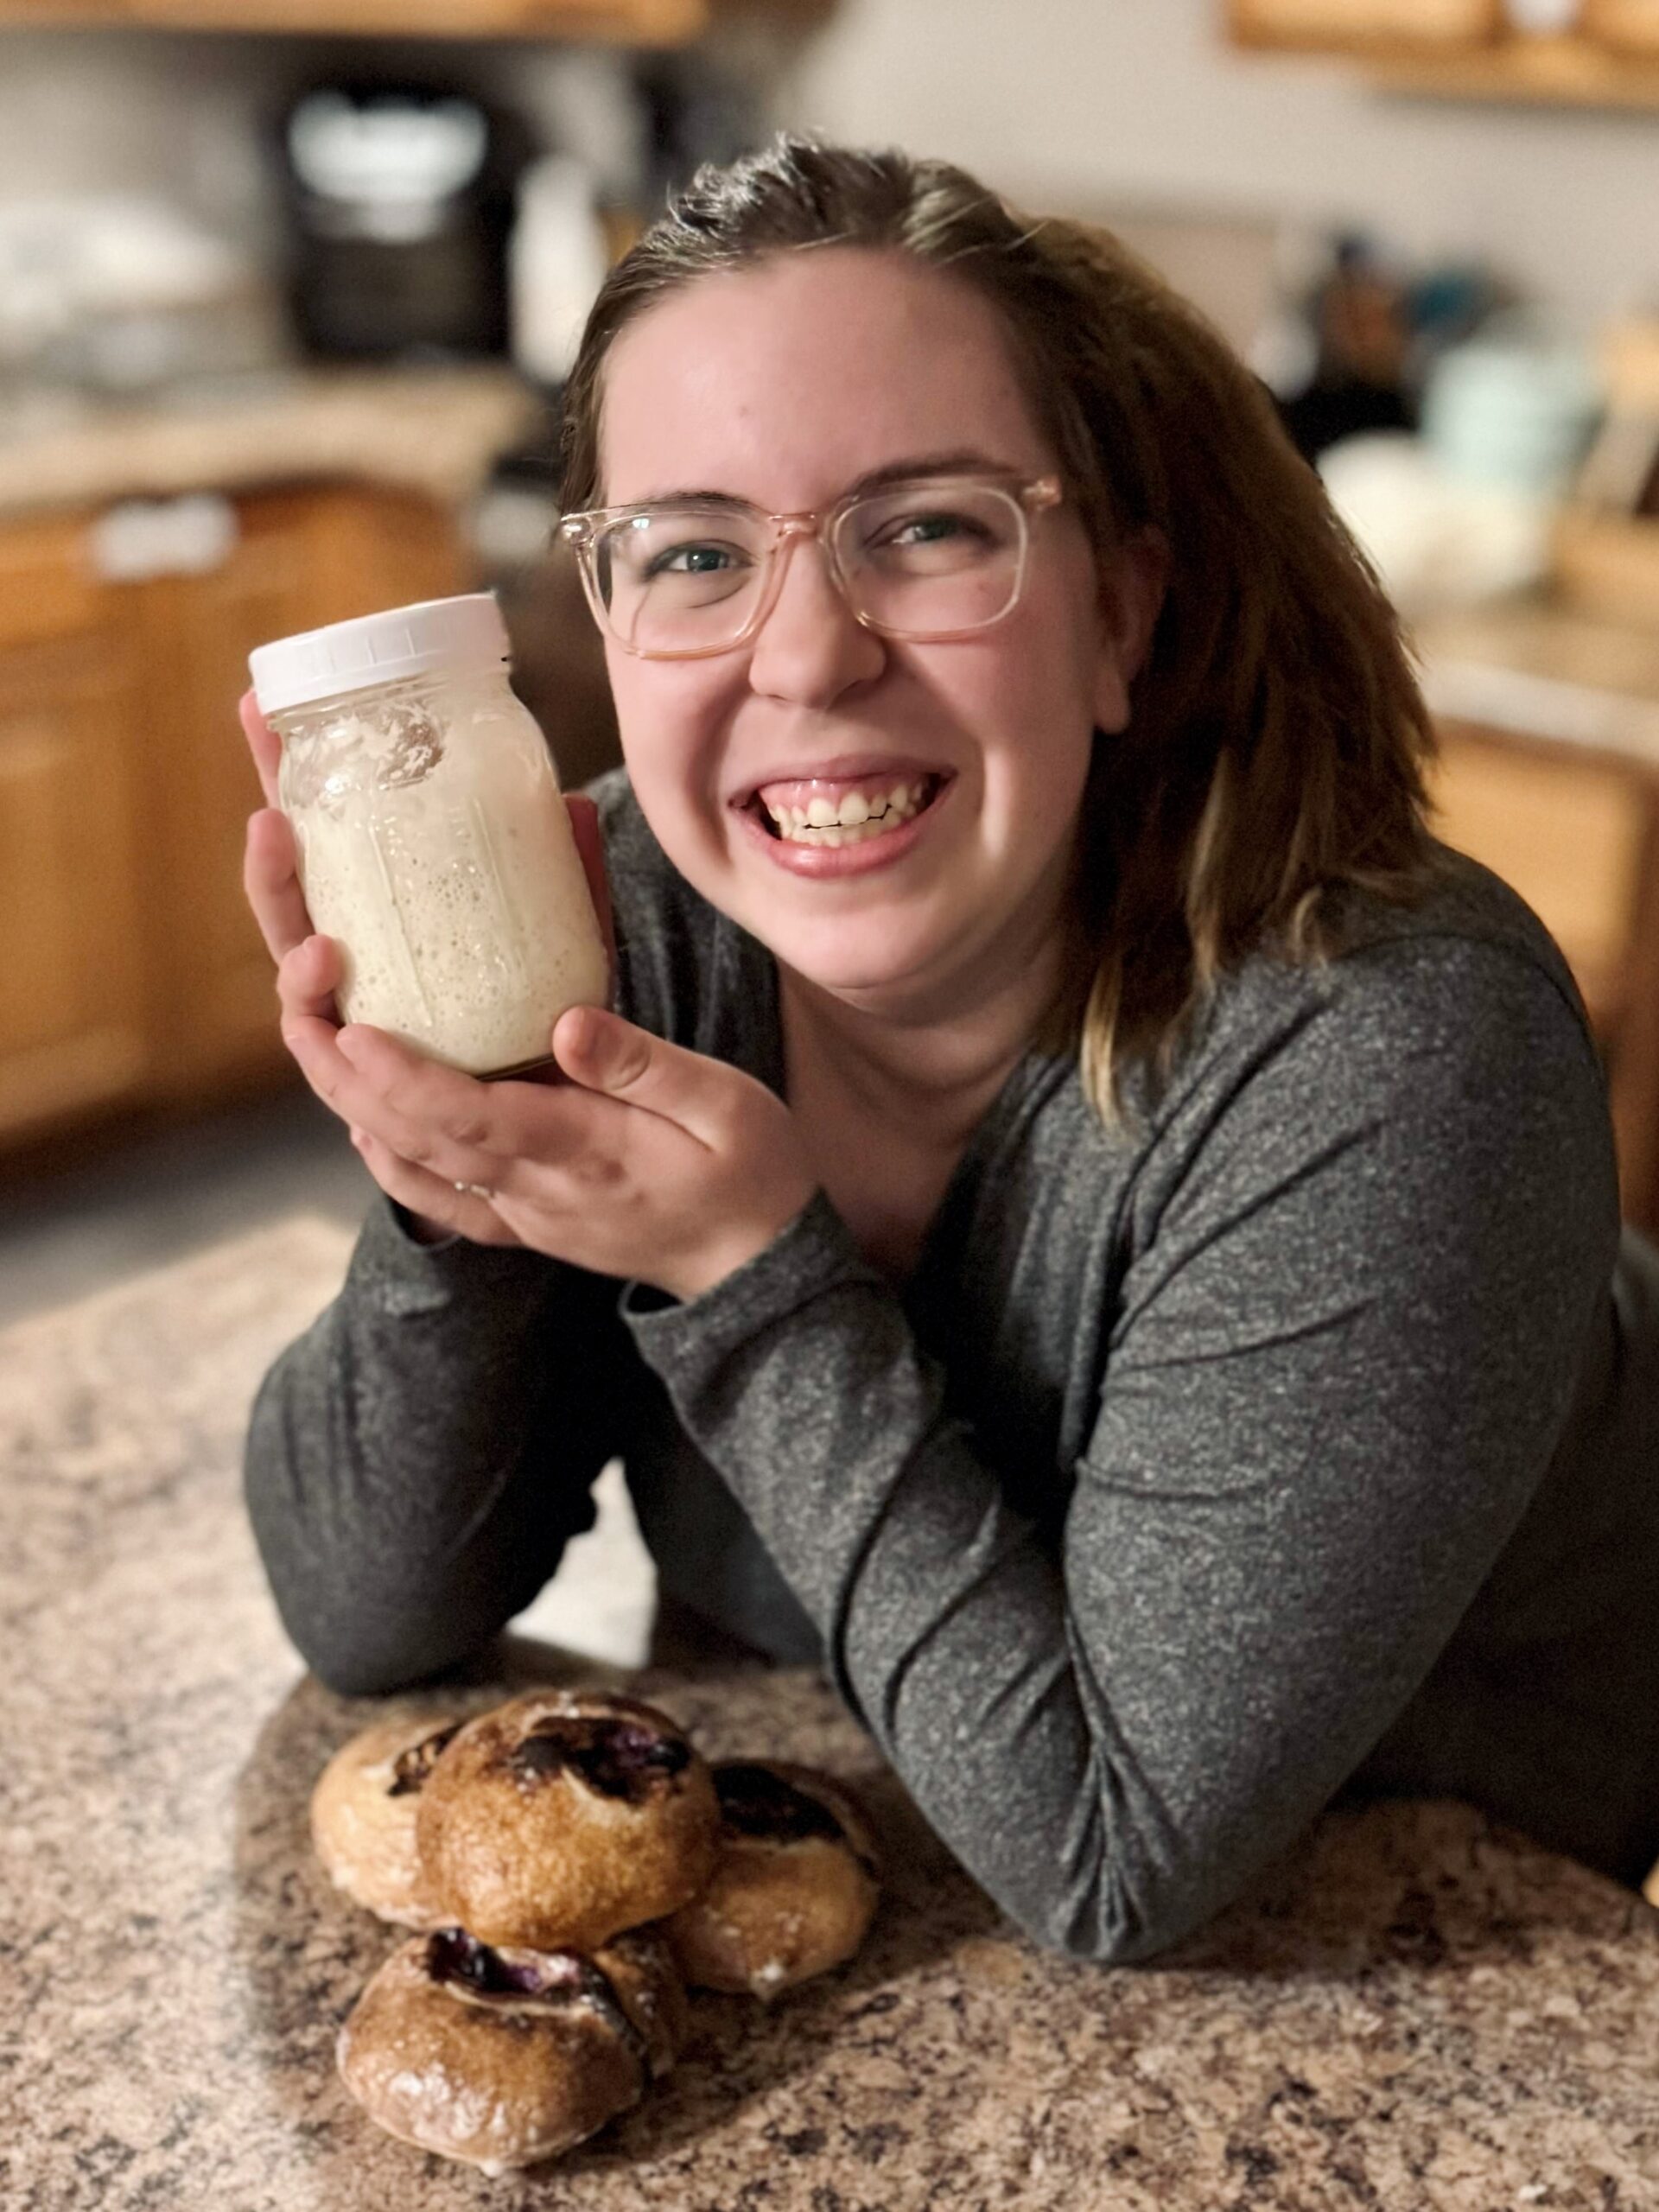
x: 417, y: 1460
x: 1357, y: 1267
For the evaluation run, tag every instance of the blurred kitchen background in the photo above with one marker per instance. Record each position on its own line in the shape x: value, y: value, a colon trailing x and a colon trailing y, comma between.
x: 287, y: 291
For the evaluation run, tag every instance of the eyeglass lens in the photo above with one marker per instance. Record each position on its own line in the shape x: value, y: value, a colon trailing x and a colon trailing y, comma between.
x: 916, y: 563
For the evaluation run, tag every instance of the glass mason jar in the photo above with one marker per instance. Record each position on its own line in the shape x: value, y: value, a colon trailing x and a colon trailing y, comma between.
x: 433, y: 841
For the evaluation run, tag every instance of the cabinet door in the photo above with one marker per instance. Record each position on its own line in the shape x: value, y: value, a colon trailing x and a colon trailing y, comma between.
x: 72, y: 1007
x: 301, y: 559
x: 1633, y: 23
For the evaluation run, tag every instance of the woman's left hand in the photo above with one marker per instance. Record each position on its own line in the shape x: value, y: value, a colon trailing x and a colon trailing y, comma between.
x: 651, y: 1162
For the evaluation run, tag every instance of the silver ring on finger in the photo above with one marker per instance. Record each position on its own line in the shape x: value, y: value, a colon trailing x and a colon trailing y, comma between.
x: 476, y: 1190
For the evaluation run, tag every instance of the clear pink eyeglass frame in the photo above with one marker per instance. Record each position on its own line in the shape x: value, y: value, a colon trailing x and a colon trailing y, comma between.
x: 582, y: 531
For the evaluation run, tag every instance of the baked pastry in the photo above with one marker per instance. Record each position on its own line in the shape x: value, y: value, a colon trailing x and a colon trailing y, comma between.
x: 504, y: 2057
x: 560, y: 1818
x: 795, y: 1886
x: 362, y: 1817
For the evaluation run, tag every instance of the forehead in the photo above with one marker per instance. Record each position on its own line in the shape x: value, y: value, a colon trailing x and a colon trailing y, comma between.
x: 784, y: 383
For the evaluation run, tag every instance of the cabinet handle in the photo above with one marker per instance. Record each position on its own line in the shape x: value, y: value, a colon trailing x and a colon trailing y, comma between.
x: 143, y: 538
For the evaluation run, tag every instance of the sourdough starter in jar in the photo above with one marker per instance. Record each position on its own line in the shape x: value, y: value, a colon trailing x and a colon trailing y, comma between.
x: 433, y: 844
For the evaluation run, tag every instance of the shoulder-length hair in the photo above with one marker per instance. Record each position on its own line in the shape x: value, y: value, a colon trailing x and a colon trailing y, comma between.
x: 1275, y: 754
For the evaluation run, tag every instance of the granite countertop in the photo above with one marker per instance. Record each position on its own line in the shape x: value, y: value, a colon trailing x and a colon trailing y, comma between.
x: 434, y: 431
x: 1536, y: 666
x: 1412, y: 2010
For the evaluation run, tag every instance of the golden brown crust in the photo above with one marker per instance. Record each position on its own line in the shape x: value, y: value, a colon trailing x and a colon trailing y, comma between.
x: 440, y: 2056
x: 784, y: 1906
x: 363, y: 1819
x: 563, y: 1817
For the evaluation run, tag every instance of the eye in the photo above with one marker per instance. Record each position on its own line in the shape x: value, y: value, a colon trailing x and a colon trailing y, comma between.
x: 934, y: 528
x: 704, y: 558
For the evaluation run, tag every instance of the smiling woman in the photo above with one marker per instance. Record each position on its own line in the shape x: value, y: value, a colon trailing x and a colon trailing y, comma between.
x: 1084, y: 1220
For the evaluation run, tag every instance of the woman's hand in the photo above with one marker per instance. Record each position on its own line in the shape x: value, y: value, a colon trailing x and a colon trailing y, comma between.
x: 651, y: 1162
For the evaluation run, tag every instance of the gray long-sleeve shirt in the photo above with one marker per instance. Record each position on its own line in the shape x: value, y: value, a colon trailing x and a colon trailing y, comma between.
x: 1303, y: 1433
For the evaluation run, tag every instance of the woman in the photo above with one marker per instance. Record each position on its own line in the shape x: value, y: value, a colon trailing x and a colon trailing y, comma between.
x: 1100, y: 1231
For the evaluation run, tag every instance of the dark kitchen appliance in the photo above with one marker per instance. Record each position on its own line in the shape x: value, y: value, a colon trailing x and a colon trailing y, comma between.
x: 400, y: 200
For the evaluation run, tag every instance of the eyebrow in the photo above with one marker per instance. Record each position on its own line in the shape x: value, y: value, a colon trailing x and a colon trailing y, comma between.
x: 964, y: 460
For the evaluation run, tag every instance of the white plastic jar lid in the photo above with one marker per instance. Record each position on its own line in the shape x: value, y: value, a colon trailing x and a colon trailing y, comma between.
x: 378, y: 649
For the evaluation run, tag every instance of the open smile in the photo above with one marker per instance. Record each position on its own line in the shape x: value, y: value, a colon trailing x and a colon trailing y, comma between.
x: 845, y: 826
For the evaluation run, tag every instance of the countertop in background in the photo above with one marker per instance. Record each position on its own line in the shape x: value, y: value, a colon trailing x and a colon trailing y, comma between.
x: 1412, y: 2011
x: 436, y: 431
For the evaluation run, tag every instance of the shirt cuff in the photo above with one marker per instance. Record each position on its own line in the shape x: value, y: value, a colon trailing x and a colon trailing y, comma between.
x: 679, y: 1339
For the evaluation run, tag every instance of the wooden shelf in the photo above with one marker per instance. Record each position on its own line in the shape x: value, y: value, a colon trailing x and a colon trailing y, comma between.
x: 1570, y: 71
x: 1543, y: 71
x: 629, y: 22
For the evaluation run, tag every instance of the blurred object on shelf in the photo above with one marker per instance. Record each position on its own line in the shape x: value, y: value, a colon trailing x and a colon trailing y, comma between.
x: 400, y: 200
x: 1434, y: 540
x: 1351, y: 348
x: 1543, y: 18
x: 1464, y: 512
x: 556, y: 262
x: 1632, y: 23
x: 116, y: 296
x: 1606, y: 541
x: 1356, y: 23
x: 1512, y: 412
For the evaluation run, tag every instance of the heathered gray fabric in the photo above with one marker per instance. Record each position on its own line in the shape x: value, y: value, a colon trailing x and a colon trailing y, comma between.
x: 1305, y: 1435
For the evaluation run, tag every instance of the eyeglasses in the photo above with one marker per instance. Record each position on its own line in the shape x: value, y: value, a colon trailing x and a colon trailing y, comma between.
x: 930, y: 561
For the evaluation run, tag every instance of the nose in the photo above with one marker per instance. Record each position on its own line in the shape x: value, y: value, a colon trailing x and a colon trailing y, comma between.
x: 810, y: 649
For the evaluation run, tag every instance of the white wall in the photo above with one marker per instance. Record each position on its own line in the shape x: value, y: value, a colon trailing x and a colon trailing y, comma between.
x: 1079, y: 103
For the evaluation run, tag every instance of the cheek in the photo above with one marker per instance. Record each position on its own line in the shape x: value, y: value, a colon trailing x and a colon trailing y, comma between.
x: 669, y: 719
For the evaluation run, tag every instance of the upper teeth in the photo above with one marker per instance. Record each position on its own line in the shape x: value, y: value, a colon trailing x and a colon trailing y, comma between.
x: 857, y: 809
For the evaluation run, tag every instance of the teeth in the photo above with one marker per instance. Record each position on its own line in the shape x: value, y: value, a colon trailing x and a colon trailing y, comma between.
x: 858, y: 815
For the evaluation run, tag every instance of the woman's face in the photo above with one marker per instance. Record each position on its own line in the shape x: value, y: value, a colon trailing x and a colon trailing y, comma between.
x: 785, y: 385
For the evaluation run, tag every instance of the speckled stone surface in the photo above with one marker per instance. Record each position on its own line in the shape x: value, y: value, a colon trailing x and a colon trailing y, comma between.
x: 1411, y: 2010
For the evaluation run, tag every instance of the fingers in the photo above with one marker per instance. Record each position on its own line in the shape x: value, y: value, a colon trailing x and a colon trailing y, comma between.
x: 307, y: 979
x: 271, y: 880
x: 434, y: 1117
x: 262, y: 742
x: 604, y: 1053
x: 436, y: 1203
x: 584, y: 823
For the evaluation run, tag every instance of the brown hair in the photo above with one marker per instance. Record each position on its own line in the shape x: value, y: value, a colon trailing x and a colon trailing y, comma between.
x: 1276, y: 752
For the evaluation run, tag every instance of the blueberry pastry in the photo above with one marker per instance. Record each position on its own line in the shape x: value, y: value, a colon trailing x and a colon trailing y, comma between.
x: 563, y: 1817
x: 501, y: 2057
x: 795, y: 1885
x: 363, y: 1818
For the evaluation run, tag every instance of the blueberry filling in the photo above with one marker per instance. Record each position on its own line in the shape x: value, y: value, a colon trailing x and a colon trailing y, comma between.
x: 410, y: 1768
x: 554, y: 1978
x: 618, y: 1758
x: 755, y: 1801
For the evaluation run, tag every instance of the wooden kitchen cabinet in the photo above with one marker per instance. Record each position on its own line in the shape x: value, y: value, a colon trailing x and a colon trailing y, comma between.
x: 1576, y: 832
x: 639, y: 22
x: 126, y: 786
x: 74, y: 1032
